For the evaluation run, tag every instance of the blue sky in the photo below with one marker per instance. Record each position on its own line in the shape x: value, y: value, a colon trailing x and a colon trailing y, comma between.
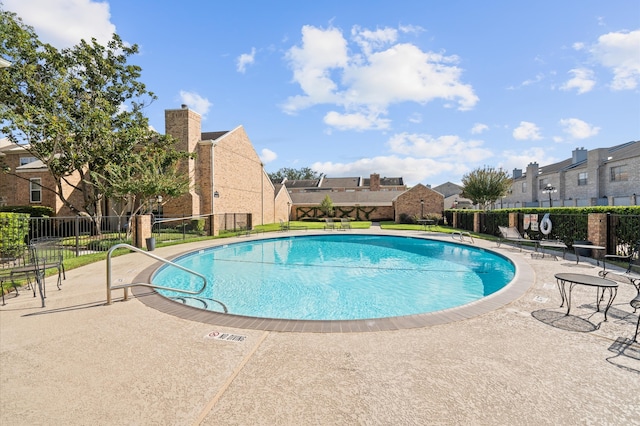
x: 426, y: 90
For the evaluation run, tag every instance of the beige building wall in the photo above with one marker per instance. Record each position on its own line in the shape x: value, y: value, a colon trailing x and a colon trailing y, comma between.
x: 409, y: 202
x: 240, y: 179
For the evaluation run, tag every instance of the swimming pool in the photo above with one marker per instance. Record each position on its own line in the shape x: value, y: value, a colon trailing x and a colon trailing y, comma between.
x: 338, y: 277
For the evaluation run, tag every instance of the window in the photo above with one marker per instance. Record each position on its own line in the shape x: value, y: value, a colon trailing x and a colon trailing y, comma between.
x: 524, y: 187
x: 619, y: 173
x: 27, y: 160
x: 582, y: 178
x: 35, y: 189
x: 543, y: 183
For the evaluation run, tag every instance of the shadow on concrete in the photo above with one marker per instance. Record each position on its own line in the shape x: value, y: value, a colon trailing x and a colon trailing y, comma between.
x: 564, y: 322
x: 627, y: 355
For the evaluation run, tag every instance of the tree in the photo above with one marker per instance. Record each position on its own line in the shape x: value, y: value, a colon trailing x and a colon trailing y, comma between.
x: 484, y: 186
x: 326, y: 206
x: 78, y: 109
x: 294, y: 174
x: 152, y: 172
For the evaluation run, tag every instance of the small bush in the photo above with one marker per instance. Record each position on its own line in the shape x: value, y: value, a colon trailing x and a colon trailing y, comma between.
x: 407, y: 219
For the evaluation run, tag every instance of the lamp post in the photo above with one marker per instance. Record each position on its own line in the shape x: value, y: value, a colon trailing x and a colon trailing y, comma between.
x: 421, y: 209
x: 159, y: 200
x: 549, y: 189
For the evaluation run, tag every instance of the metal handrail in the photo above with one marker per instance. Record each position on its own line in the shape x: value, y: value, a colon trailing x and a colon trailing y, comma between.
x: 110, y: 287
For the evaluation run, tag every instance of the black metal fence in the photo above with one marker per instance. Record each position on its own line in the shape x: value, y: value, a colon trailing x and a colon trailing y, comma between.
x: 83, y: 235
x: 623, y: 231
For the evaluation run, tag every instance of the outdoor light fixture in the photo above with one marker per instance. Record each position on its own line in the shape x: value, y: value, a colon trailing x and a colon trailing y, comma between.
x: 216, y: 194
x: 549, y: 189
x: 421, y: 209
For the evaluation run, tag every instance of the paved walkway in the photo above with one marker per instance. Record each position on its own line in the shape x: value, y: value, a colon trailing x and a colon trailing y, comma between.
x: 79, y: 361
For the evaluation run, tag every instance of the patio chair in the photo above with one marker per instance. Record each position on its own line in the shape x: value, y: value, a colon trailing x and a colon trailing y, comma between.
x: 24, y: 267
x: 345, y: 224
x: 635, y: 304
x: 48, y: 253
x: 328, y: 223
x: 284, y: 226
x: 632, y: 269
x: 511, y: 233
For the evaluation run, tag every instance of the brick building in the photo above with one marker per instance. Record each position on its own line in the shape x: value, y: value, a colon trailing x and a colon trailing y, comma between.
x: 373, y: 198
x: 226, y: 175
x: 603, y: 176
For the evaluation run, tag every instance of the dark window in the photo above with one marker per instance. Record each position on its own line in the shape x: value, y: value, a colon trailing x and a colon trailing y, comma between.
x: 619, y: 173
x: 582, y: 178
x: 35, y: 189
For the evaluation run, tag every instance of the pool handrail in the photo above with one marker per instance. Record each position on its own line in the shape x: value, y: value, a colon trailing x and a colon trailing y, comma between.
x: 110, y: 287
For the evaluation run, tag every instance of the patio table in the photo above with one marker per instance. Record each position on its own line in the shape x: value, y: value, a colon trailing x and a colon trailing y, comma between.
x: 587, y: 280
x: 426, y: 222
x: 541, y: 244
x: 586, y: 246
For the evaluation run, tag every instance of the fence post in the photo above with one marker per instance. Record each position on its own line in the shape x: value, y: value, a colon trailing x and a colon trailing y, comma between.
x: 76, y: 231
x: 513, y: 220
x: 597, y: 232
x: 476, y: 222
x: 141, y: 229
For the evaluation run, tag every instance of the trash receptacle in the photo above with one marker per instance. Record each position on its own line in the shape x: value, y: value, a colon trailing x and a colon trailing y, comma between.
x: 151, y: 243
x: 585, y: 252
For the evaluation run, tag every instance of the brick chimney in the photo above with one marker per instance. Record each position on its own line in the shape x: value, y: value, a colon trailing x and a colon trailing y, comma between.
x: 374, y: 182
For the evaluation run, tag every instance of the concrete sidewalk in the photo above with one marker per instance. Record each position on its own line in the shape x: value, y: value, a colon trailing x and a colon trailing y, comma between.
x: 79, y: 361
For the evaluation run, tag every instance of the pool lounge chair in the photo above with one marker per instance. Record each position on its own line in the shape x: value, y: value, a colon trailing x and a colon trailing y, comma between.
x: 329, y: 224
x: 284, y: 226
x: 511, y: 233
x: 345, y: 224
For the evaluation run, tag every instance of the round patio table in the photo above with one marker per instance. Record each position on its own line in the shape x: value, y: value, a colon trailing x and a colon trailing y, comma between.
x: 601, y: 284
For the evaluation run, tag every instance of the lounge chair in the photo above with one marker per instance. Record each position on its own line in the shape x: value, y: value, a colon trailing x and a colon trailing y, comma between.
x: 284, y: 226
x: 345, y: 223
x: 329, y: 224
x: 511, y: 233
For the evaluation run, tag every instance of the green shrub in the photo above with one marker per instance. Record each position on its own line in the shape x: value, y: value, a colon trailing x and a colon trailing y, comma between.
x: 14, y: 229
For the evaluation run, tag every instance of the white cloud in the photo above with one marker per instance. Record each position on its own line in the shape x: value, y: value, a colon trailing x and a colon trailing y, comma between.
x: 267, y: 156
x: 195, y: 102
x: 521, y: 158
x: 448, y: 146
x: 578, y: 129
x: 527, y: 131
x: 421, y: 157
x: 414, y: 170
x: 415, y: 118
x: 479, y: 128
x: 620, y: 52
x: 246, y: 59
x: 582, y: 80
x: 578, y: 46
x: 355, y: 121
x: 374, y: 72
x: 63, y: 23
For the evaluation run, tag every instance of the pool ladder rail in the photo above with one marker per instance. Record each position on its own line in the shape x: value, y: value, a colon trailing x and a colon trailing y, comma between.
x: 111, y: 287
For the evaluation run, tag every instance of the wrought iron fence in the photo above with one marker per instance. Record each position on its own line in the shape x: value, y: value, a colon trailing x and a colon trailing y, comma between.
x: 623, y: 231
x: 79, y: 235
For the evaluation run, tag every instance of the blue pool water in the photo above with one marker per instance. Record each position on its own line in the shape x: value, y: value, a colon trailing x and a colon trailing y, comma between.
x: 337, y: 277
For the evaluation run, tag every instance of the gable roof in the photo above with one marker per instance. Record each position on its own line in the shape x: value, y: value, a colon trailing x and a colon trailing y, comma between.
x: 212, y: 136
x: 448, y: 189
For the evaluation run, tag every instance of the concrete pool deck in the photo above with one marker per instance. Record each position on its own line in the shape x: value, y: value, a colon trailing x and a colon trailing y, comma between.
x: 80, y: 361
